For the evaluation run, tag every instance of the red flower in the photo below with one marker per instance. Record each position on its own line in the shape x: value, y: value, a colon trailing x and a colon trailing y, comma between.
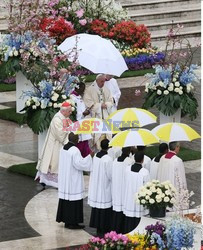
x: 99, y: 27
x: 58, y: 29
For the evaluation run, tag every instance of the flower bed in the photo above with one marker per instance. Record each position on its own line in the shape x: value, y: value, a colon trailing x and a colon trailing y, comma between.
x: 177, y: 233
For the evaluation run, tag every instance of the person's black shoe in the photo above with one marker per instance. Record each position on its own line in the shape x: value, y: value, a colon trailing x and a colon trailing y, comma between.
x: 66, y: 225
x: 76, y: 226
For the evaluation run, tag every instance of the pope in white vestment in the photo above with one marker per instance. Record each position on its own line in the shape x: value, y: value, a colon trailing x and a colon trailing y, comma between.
x: 71, y: 190
x: 118, y: 188
x: 171, y: 168
x: 112, y: 85
x: 98, y: 98
x: 99, y: 195
x: 135, y: 177
x: 47, y: 165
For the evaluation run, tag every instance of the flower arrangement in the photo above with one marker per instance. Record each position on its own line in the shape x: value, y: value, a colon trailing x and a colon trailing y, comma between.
x: 44, y: 101
x: 172, y: 86
x: 156, y: 194
x: 112, y: 240
x: 180, y: 233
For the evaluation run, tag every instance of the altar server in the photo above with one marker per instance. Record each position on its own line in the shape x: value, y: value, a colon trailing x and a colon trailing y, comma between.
x: 118, y: 188
x: 171, y: 167
x: 71, y: 184
x: 163, y: 149
x: 135, y: 177
x: 99, y: 196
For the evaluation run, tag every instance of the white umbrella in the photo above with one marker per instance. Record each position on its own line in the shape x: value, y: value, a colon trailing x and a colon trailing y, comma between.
x: 95, y: 53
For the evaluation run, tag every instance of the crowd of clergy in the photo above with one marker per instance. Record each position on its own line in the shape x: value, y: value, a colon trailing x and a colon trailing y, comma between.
x: 116, y: 174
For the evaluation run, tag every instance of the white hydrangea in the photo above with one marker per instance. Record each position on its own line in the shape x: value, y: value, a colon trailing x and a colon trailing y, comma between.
x: 159, y: 92
x: 27, y: 103
x: 143, y: 201
x: 50, y: 104
x: 166, y: 92
x: 161, y: 84
x: 15, y: 53
x: 55, y: 105
x: 147, y: 197
x: 166, y: 199
x: 174, y: 79
x: 37, y: 104
x: 64, y: 97
x: 177, y: 90
x: 34, y: 107
x: 151, y: 201
x: 177, y: 84
x: 146, y: 90
x: 180, y: 92
x: 73, y: 108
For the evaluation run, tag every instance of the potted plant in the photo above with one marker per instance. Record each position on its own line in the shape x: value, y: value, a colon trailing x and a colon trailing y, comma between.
x: 171, y: 88
x: 156, y: 197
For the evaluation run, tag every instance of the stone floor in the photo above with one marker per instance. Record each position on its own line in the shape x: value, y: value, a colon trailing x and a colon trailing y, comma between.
x: 28, y: 213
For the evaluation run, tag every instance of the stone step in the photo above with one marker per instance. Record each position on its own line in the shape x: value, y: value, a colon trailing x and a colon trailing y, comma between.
x: 141, y: 5
x: 189, y: 12
x: 167, y: 25
x: 186, y: 31
x: 161, y: 44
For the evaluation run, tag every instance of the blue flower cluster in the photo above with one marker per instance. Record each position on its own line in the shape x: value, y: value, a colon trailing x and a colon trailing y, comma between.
x: 144, y: 61
x: 180, y: 233
x: 156, y: 239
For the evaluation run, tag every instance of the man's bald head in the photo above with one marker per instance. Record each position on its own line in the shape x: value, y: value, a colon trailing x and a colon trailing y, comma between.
x: 100, y: 80
x: 73, y: 138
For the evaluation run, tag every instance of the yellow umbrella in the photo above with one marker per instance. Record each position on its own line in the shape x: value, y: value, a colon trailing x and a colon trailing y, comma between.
x: 92, y: 126
x: 175, y: 132
x: 132, y: 117
x: 140, y: 137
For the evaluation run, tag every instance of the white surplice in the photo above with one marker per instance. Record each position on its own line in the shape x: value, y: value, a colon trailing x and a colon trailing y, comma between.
x: 153, y: 169
x: 114, y: 152
x: 112, y: 85
x: 147, y: 162
x: 172, y: 170
x: 70, y: 176
x: 80, y: 109
x: 133, y: 182
x: 118, y: 184
x: 99, y: 194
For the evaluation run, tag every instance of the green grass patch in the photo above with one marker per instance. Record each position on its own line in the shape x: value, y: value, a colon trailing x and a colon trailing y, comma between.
x: 28, y: 169
x: 7, y: 87
x: 185, y: 154
x: 11, y: 115
x: 129, y: 73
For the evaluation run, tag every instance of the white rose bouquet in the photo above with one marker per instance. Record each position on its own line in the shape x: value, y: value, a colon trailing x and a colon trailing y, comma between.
x: 156, y: 194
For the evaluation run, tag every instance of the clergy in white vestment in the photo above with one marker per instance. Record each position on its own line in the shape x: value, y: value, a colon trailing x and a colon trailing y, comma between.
x: 118, y: 188
x: 163, y: 149
x: 171, y: 167
x: 112, y: 85
x: 99, y: 195
x: 98, y: 97
x: 82, y: 112
x: 135, y: 177
x: 71, y: 190
x: 114, y: 152
x: 147, y: 160
x: 56, y: 137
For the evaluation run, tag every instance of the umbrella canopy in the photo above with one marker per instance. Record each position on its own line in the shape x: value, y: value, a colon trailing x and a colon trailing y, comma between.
x: 132, y: 117
x: 127, y: 138
x: 169, y: 132
x: 92, y: 126
x: 95, y: 53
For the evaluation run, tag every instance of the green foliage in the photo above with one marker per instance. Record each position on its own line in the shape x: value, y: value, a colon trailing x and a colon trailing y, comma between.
x: 185, y: 154
x: 39, y: 120
x: 11, y: 115
x: 169, y: 104
x: 7, y: 87
x: 28, y: 169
